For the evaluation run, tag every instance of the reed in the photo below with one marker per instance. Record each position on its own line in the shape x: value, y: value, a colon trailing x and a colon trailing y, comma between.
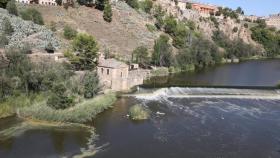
x: 80, y: 113
x: 138, y: 112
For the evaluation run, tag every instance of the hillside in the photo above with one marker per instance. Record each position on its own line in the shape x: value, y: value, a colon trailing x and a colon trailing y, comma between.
x: 126, y: 32
x: 26, y: 32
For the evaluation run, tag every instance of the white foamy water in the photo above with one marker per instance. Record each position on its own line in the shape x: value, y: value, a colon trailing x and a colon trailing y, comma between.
x: 222, y: 93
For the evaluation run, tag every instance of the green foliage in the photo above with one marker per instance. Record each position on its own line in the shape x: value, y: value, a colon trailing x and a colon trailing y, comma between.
x: 12, y: 8
x: 188, y: 5
x: 87, y: 48
x: 180, y: 35
x: 138, y: 112
x: 261, y: 23
x: 85, y: 2
x: 58, y: 2
x: 140, y: 55
x: 151, y: 28
x: 159, y: 14
x: 33, y: 15
x: 227, y: 12
x: 235, y: 29
x: 246, y: 25
x: 191, y: 24
x: 239, y: 10
x: 170, y: 24
x: 7, y: 27
x: 147, y: 5
x: 268, y: 38
x: 91, y: 84
x: 100, y: 4
x: 3, y: 3
x: 133, y: 3
x: 69, y: 33
x: 81, y: 113
x: 162, y: 54
x: 3, y: 41
x: 59, y: 99
x: 107, y: 14
x: 49, y: 48
x: 53, y: 26
x: 214, y: 20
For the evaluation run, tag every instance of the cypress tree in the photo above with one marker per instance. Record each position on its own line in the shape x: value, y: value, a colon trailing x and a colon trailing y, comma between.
x: 107, y: 14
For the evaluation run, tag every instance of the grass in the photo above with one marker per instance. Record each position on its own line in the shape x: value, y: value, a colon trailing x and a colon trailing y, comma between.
x: 138, y: 112
x: 10, y: 105
x: 80, y: 113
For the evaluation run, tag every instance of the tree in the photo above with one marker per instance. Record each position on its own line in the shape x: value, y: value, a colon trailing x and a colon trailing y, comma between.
x: 12, y: 8
x: 91, y: 84
x: 239, y: 10
x: 59, y: 99
x: 147, y: 6
x: 87, y: 48
x: 7, y: 27
x: 49, y: 48
x: 162, y: 52
x: 180, y: 35
x: 69, y: 33
x: 246, y: 25
x: 100, y: 4
x: 58, y: 2
x: 107, y: 14
x: 33, y: 15
x: 140, y: 55
x: 133, y: 3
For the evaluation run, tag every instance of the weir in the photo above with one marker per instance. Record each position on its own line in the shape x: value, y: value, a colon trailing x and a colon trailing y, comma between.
x: 200, y: 92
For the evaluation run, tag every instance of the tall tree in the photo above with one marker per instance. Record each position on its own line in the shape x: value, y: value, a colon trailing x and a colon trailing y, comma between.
x: 87, y: 48
x: 107, y: 14
x: 162, y: 52
x: 91, y: 84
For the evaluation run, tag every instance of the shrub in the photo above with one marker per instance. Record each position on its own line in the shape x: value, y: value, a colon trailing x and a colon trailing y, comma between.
x: 138, y: 112
x: 133, y: 3
x: 12, y: 8
x: 53, y: 26
x: 59, y: 99
x: 3, y: 3
x: 246, y: 25
x: 235, y: 29
x: 33, y: 15
x: 188, y: 5
x: 3, y: 41
x: 91, y: 84
x: 49, y: 48
x: 58, y: 2
x: 100, y: 4
x: 147, y: 5
x: 107, y: 14
x: 151, y: 28
x: 69, y: 33
x: 7, y: 27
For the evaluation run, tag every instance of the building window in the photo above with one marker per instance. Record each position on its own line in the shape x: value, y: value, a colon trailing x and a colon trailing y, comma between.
x: 108, y: 72
x: 102, y: 70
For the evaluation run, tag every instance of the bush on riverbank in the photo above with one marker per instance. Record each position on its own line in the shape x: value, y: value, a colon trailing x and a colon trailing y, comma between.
x: 80, y: 113
x: 138, y: 112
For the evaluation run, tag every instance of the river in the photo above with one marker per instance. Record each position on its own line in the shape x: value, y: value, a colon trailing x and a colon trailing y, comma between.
x: 226, y: 111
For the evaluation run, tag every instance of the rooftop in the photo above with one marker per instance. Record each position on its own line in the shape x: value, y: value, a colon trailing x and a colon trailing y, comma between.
x: 112, y: 63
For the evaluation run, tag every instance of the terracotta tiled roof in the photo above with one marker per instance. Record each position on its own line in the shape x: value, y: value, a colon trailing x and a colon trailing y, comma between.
x: 112, y: 63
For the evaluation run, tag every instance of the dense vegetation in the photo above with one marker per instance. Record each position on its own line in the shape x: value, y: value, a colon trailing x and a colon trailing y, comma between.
x: 268, y: 37
x: 138, y: 112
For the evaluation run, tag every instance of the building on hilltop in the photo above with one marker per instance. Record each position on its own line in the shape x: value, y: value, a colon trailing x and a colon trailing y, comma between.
x: 41, y: 2
x: 200, y: 7
x: 118, y: 76
x: 273, y: 21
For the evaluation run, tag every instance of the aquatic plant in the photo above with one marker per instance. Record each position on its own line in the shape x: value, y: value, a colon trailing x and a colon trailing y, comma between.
x: 138, y: 112
x: 80, y: 113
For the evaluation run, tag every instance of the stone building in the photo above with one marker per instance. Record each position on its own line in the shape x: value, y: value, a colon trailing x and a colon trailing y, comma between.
x: 41, y: 2
x: 273, y: 21
x: 118, y: 76
x: 200, y: 7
